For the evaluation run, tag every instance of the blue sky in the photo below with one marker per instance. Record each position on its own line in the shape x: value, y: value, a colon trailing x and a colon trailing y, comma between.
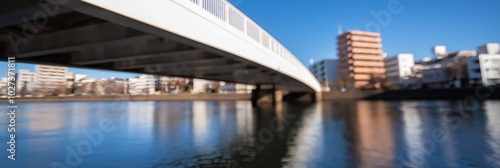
x: 308, y: 28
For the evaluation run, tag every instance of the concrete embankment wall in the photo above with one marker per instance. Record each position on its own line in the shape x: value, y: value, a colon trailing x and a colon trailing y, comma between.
x: 351, y: 95
x: 436, y: 94
x: 421, y: 94
x: 173, y: 97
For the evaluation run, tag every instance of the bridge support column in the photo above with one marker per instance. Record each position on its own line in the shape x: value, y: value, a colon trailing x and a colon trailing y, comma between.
x: 266, y: 95
x: 302, y: 97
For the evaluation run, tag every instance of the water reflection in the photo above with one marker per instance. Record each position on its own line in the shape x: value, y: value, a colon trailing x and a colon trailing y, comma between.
x: 307, y: 141
x: 413, y: 133
x: 373, y: 134
x: 200, y: 123
x: 493, y: 129
x: 235, y: 134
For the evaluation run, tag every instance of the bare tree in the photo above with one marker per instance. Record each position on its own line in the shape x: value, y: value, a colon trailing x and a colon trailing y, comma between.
x: 59, y: 90
x: 114, y: 87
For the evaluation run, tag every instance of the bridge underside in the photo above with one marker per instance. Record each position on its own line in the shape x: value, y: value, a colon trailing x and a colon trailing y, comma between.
x: 71, y: 38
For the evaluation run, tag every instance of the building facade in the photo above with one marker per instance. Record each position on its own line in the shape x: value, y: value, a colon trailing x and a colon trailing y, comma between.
x: 489, y: 60
x: 327, y: 73
x: 50, y: 77
x: 360, y: 59
x: 447, y: 71
x: 399, y: 67
x: 25, y: 81
x: 202, y: 86
x: 474, y: 71
x: 143, y: 85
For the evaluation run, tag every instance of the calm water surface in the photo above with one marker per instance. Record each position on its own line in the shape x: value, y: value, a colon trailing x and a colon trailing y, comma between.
x: 235, y: 134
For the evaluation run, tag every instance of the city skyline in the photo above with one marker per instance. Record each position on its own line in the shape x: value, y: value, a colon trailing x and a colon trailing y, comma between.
x: 462, y: 25
x: 241, y: 83
x: 316, y: 39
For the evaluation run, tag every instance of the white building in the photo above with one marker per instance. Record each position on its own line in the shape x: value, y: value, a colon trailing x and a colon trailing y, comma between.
x: 134, y: 87
x: 201, y: 85
x: 399, y: 67
x: 144, y: 84
x: 80, y: 77
x: 486, y: 66
x: 440, y: 51
x: 148, y: 83
x: 474, y: 71
x: 235, y: 88
x: 25, y: 81
x: 3, y: 86
x: 50, y: 77
x: 448, y: 70
x: 490, y: 48
x: 327, y: 73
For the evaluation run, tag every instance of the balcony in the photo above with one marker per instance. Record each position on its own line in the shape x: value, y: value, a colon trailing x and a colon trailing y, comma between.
x: 368, y: 63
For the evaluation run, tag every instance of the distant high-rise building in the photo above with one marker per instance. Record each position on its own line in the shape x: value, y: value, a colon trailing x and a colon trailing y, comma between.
x: 326, y: 71
x: 360, y: 59
x: 50, y: 77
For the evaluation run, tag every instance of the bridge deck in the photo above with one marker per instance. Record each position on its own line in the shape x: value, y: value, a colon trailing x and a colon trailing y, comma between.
x: 185, y: 38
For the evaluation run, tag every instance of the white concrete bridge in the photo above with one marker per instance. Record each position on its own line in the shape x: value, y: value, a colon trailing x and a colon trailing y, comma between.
x: 208, y: 39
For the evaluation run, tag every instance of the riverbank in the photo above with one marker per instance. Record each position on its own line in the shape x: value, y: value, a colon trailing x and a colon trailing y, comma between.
x: 437, y: 94
x: 351, y: 95
x: 171, y: 97
x: 420, y: 94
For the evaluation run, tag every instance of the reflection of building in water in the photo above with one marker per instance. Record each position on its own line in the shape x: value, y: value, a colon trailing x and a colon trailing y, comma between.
x: 307, y: 144
x: 140, y: 119
x: 200, y: 123
x: 493, y: 128
x: 413, y: 133
x: 216, y: 125
x: 372, y: 134
x: 448, y: 125
x: 244, y: 119
x: 47, y: 117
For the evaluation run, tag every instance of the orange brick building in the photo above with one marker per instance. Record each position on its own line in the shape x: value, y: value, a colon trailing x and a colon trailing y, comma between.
x: 360, y: 59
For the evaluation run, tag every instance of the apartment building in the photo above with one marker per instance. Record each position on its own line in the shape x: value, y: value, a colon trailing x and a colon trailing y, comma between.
x: 327, y: 73
x: 485, y: 68
x: 399, y: 66
x: 360, y: 59
x: 50, y: 77
x: 25, y: 81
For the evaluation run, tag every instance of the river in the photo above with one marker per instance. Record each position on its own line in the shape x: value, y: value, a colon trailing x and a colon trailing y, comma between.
x: 235, y: 134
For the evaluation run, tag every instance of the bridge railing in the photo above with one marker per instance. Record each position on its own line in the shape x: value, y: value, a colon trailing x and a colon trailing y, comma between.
x: 234, y: 17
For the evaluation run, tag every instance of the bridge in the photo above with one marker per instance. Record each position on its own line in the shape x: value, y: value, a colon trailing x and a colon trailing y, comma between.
x: 207, y: 39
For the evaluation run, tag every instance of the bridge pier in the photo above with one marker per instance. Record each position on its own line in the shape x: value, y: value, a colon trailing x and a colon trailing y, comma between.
x: 266, y: 95
x: 271, y: 95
